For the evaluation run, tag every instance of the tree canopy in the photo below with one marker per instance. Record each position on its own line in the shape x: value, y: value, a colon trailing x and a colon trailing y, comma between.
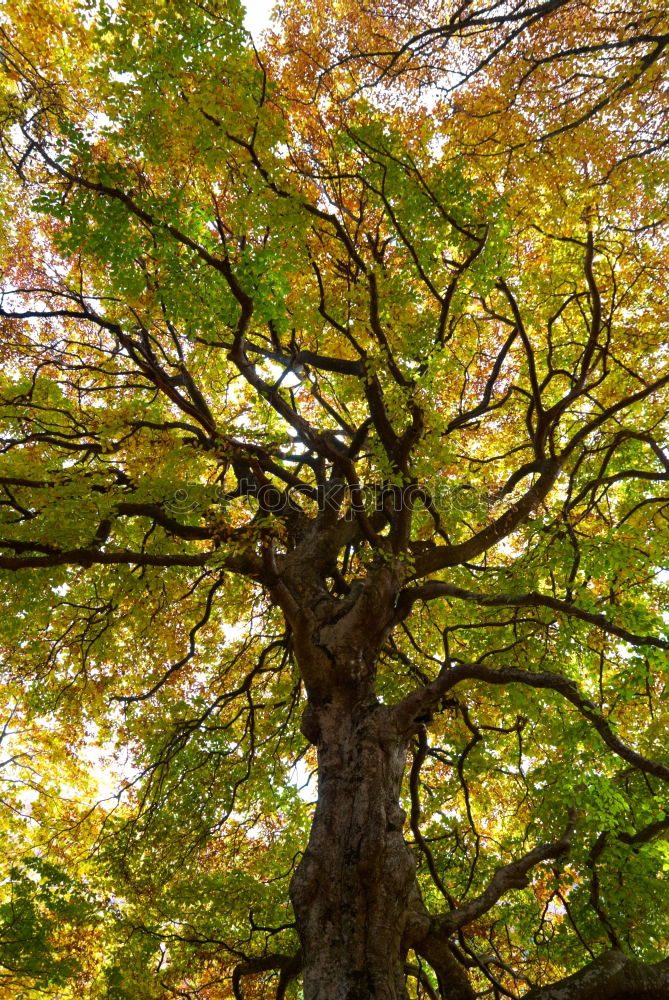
x: 333, y: 506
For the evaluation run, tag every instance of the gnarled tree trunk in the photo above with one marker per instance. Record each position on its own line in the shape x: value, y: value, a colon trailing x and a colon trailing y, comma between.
x: 355, y: 896
x: 352, y: 890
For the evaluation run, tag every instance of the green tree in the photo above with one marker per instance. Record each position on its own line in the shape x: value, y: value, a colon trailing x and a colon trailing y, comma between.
x: 334, y: 402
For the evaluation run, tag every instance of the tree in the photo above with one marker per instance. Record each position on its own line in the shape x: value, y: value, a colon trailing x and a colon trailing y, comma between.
x: 335, y: 399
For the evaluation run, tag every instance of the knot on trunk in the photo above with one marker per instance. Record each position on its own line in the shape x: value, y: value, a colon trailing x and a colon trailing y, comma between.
x: 309, y: 725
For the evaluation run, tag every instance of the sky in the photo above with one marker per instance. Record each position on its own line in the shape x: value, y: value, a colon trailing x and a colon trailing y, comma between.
x: 257, y: 16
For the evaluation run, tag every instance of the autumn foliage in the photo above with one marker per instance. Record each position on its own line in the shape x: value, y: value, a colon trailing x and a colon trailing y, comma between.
x: 334, y: 395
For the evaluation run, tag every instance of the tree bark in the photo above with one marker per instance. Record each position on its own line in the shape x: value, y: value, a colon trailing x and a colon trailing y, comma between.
x: 612, y: 976
x: 351, y: 892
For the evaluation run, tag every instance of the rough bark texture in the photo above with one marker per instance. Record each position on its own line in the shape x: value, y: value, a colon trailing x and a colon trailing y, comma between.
x: 352, y: 889
x: 612, y: 976
x: 452, y: 979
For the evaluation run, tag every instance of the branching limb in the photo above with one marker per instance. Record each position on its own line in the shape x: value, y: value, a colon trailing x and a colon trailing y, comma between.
x: 288, y: 966
x: 437, y: 588
x: 443, y: 556
x: 426, y: 698
x: 612, y: 976
x: 511, y: 876
x: 451, y: 977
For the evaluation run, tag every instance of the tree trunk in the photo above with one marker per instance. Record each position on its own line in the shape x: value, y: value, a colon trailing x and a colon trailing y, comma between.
x: 351, y: 892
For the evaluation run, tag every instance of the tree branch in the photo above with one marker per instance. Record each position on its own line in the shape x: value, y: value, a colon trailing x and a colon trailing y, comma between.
x: 425, y: 698
x: 612, y: 976
x: 436, y: 588
x: 511, y: 876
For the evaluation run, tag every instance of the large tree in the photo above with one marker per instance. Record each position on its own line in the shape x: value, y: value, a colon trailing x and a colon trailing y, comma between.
x: 335, y: 396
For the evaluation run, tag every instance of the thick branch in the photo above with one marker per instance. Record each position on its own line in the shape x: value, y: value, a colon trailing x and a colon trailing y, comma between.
x: 612, y: 976
x: 288, y: 966
x: 437, y: 588
x: 454, y: 555
x: 511, y: 876
x: 453, y: 981
x: 426, y: 698
x: 246, y: 563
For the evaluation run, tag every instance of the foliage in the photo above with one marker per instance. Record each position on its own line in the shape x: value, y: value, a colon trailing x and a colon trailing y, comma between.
x: 369, y: 318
